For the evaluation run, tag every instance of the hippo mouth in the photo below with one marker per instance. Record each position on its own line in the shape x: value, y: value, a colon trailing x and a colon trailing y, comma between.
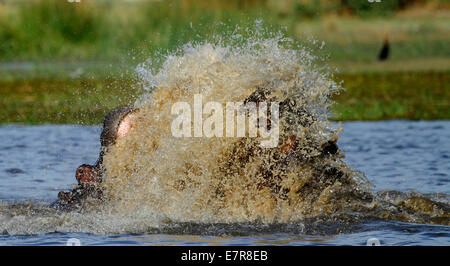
x: 117, y: 124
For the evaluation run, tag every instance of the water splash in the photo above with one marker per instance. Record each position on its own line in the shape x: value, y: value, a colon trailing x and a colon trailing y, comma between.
x: 231, y: 179
x: 158, y: 183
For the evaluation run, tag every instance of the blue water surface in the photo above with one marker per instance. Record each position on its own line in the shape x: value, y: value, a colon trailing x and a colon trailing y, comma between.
x: 38, y: 161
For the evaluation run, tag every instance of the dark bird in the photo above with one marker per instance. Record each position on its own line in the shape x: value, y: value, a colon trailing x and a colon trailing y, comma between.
x: 384, y: 53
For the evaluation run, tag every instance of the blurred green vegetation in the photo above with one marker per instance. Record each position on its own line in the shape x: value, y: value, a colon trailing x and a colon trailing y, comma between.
x: 111, y: 30
x: 72, y: 101
x: 394, y: 95
x: 371, y: 96
x: 64, y: 62
x: 128, y: 32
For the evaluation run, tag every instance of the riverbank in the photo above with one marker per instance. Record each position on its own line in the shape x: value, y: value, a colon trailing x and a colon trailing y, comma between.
x: 368, y: 96
x: 82, y: 63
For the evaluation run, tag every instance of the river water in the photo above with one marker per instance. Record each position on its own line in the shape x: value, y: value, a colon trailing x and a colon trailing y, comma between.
x: 408, y: 156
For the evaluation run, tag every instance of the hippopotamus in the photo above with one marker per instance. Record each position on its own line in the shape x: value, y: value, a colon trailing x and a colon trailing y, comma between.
x: 117, y: 124
x: 321, y: 159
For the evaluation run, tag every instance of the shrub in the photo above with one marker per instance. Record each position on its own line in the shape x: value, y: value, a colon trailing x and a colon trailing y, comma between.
x: 364, y: 8
x: 73, y: 21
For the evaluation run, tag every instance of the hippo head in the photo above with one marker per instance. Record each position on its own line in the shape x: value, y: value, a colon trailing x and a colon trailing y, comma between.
x: 117, y: 124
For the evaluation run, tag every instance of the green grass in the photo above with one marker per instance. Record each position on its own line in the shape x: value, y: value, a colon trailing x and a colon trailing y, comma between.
x: 77, y: 101
x: 124, y: 32
x: 64, y: 62
x: 402, y: 95
x: 370, y: 96
x: 46, y: 30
